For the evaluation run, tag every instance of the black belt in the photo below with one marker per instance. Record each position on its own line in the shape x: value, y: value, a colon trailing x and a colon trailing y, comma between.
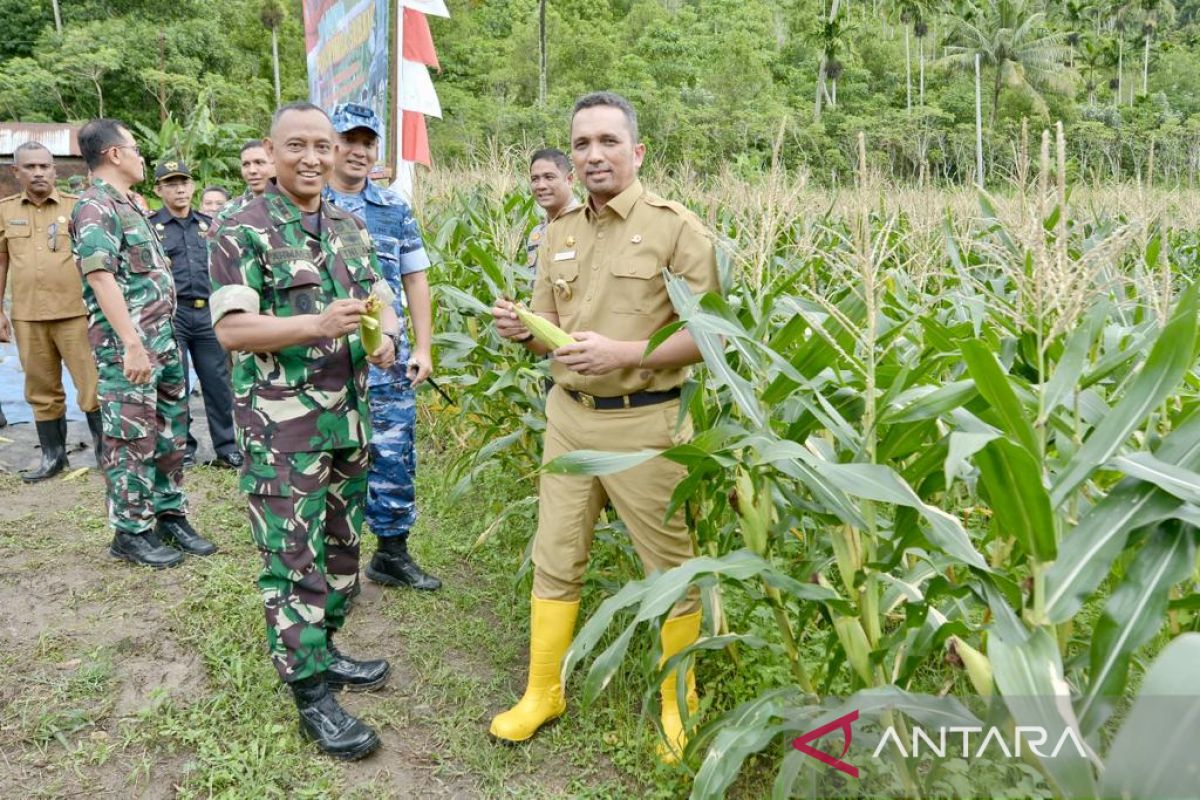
x: 193, y: 302
x: 635, y: 400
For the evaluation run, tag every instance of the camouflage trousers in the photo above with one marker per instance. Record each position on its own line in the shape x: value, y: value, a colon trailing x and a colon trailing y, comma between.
x: 306, y: 513
x: 144, y: 427
x: 391, y: 498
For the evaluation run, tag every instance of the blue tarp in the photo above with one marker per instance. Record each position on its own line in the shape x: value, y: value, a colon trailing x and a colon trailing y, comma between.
x: 12, y: 388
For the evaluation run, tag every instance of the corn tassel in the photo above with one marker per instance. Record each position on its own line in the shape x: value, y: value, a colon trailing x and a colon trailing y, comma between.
x: 543, y: 329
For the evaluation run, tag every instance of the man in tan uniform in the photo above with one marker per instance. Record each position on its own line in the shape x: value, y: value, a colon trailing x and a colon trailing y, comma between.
x: 48, y: 316
x: 600, y: 277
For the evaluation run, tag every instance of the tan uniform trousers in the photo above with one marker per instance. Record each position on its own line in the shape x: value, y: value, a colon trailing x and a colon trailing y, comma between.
x: 43, y: 347
x: 569, y: 505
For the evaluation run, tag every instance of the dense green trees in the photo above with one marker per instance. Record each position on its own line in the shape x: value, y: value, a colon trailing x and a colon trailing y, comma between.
x: 718, y: 82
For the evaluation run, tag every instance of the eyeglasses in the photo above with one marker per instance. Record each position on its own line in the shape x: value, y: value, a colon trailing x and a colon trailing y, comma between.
x: 52, y: 237
x: 137, y: 150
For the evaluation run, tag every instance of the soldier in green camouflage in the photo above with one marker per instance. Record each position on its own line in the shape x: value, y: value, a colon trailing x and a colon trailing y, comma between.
x: 290, y: 276
x: 130, y: 299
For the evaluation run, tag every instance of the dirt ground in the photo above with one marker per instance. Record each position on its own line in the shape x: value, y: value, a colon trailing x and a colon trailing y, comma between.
x: 91, y: 648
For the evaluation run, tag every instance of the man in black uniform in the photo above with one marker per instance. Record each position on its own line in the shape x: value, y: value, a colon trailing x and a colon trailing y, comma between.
x: 183, y: 231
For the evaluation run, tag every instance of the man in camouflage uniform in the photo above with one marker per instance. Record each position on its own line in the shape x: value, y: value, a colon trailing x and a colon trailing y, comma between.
x: 130, y: 298
x: 290, y: 275
x: 257, y: 171
x: 391, y: 497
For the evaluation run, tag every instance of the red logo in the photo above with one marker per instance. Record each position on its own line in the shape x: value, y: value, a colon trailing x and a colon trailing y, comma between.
x: 843, y: 724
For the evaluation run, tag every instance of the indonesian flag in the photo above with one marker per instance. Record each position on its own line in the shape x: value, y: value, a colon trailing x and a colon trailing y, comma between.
x: 418, y: 41
x: 436, y: 8
x: 415, y: 92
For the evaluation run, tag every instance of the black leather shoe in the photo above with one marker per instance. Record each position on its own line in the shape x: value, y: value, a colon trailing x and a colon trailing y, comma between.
x: 52, y: 436
x: 178, y: 530
x: 228, y: 461
x: 393, y: 566
x: 145, y: 549
x: 354, y: 675
x: 325, y: 722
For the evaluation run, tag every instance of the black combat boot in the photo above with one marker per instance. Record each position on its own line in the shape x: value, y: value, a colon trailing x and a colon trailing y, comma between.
x: 177, y: 530
x: 325, y: 722
x: 52, y: 434
x: 3, y: 419
x: 354, y: 675
x: 145, y: 549
x: 93, y: 420
x: 393, y: 566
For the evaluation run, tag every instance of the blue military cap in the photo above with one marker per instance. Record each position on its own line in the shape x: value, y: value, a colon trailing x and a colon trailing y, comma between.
x: 349, y: 116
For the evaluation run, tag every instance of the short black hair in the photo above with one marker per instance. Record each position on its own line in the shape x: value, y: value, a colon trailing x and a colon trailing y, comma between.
x: 97, y: 136
x: 552, y: 154
x: 299, y: 105
x: 250, y: 145
x: 32, y: 144
x: 215, y: 188
x: 612, y: 100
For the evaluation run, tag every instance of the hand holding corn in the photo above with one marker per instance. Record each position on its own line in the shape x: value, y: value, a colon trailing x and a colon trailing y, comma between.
x: 514, y: 321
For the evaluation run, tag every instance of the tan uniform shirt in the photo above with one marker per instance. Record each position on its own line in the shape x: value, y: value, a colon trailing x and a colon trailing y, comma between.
x: 41, y: 270
x: 604, y: 273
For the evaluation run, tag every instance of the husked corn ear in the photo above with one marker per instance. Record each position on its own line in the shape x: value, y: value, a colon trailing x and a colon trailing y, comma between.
x: 543, y: 329
x: 370, y: 326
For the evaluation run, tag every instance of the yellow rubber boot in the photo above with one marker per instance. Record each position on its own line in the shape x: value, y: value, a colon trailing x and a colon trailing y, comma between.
x: 551, y: 625
x: 677, y: 633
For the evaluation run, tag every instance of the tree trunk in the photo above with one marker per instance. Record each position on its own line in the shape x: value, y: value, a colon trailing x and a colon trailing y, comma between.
x: 921, y: 56
x: 275, y: 59
x: 542, y: 53
x: 820, y: 90
x: 1146, y: 67
x: 57, y: 18
x: 978, y: 126
x: 996, y: 87
x: 833, y: 12
x: 833, y: 96
x: 1120, y: 70
x: 907, y: 70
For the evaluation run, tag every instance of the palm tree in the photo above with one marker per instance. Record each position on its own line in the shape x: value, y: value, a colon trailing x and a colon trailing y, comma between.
x: 1013, y: 41
x: 1153, y: 13
x: 913, y: 12
x: 542, y: 53
x: 271, y: 17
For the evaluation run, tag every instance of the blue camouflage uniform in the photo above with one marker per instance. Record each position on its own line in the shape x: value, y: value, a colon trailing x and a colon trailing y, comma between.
x: 391, y: 501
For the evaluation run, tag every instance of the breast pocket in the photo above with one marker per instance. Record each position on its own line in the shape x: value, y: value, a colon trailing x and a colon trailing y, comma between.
x: 636, y: 280
x: 298, y: 288
x: 139, y: 251
x: 19, y: 238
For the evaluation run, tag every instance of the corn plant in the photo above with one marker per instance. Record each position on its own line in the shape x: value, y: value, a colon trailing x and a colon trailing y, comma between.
x: 949, y: 455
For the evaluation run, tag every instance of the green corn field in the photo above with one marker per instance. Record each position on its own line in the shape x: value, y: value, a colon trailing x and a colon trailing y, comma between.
x: 947, y: 443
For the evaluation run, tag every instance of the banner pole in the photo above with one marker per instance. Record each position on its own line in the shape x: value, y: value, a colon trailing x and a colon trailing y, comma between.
x: 396, y: 156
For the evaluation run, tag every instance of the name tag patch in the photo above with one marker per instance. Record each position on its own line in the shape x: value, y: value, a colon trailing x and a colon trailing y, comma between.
x: 282, y: 255
x: 565, y: 255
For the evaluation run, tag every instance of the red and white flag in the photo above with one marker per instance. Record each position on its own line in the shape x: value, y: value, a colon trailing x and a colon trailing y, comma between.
x: 415, y: 91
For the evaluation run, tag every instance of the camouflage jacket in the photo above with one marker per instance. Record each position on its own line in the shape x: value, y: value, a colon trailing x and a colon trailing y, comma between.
x: 109, y: 232
x: 232, y: 207
x: 264, y: 259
